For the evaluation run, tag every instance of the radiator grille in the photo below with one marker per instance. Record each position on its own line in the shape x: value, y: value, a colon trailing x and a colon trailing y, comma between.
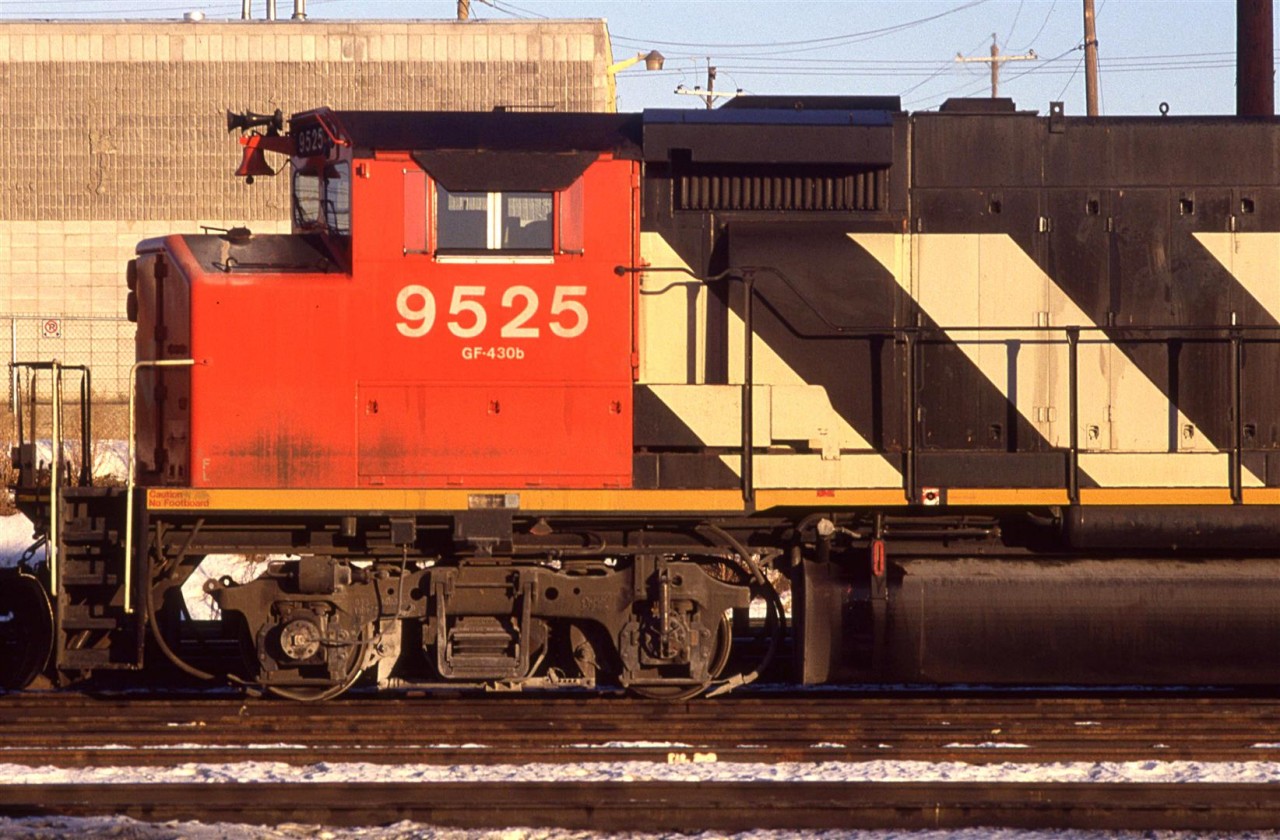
x: 861, y: 191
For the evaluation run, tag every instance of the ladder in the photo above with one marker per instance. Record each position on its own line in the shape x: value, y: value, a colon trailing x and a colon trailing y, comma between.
x: 95, y: 627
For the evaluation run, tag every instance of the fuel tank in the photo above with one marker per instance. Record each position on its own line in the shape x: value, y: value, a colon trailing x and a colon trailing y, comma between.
x: 1123, y: 621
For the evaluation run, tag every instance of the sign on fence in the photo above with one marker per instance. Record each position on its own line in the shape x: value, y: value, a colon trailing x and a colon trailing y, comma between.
x: 105, y: 345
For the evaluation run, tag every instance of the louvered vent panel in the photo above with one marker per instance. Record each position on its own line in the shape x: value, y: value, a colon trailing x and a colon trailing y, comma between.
x: 863, y: 191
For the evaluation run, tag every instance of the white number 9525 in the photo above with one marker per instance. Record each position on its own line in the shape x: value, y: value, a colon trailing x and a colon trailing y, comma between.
x: 468, y: 317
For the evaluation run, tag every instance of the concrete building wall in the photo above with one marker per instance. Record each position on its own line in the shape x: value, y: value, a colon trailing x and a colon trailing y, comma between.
x: 115, y: 132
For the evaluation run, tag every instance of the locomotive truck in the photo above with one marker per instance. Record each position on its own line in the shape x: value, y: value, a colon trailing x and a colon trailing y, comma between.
x: 549, y: 400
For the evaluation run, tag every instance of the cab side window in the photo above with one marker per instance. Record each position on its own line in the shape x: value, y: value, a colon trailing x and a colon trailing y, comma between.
x: 306, y: 199
x: 494, y: 221
x: 337, y: 199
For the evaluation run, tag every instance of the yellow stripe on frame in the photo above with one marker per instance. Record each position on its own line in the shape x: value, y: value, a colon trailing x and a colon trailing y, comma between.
x: 407, y: 500
x: 1007, y: 496
x: 671, y: 501
x: 1155, y: 496
x: 1261, y: 496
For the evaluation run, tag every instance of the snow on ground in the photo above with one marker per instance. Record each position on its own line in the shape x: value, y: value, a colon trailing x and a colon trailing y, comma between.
x: 675, y: 770
x: 43, y: 828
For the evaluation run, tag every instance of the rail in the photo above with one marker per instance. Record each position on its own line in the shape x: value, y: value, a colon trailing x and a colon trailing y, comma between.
x: 1235, y: 336
x: 57, y: 464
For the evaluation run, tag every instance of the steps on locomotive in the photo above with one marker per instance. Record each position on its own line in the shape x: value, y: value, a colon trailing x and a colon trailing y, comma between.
x: 93, y: 632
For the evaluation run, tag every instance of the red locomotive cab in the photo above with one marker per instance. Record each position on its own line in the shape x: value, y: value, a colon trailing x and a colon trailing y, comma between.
x: 438, y: 317
x: 498, y: 344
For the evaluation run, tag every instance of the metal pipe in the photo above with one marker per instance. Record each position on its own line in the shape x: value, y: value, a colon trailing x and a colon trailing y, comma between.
x: 86, y: 428
x: 271, y: 9
x: 299, y: 9
x: 1237, y: 406
x: 13, y: 369
x: 1073, y: 412
x: 748, y: 412
x: 130, y: 469
x: 17, y: 379
x: 911, y: 409
x: 32, y: 404
x: 54, y: 473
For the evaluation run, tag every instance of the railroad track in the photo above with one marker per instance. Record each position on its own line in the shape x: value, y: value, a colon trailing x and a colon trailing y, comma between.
x: 74, y: 730
x: 674, y: 806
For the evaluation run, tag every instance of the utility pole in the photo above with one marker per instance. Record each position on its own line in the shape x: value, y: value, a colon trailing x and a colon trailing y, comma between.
x: 708, y: 96
x: 996, y: 60
x: 464, y: 9
x: 1091, y: 60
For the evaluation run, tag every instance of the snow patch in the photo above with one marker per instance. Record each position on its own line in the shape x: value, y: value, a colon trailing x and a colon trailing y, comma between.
x: 985, y: 745
x: 1253, y: 772
x: 238, y: 567
x: 17, y: 539
x: 110, y: 466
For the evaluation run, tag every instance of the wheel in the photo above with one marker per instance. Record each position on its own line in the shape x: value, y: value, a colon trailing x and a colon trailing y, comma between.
x: 724, y: 641
x: 26, y: 629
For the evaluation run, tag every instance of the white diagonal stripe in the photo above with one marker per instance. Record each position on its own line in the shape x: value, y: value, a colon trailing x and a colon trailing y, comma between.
x: 1252, y: 258
x: 794, y: 408
x: 987, y: 280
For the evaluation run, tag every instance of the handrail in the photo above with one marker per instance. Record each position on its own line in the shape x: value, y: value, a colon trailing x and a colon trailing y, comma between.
x: 55, y: 475
x: 1073, y: 416
x: 911, y: 336
x: 58, y: 457
x: 85, y: 478
x: 748, y: 405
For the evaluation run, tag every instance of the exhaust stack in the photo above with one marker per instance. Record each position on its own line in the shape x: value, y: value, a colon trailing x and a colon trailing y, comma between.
x: 1255, y: 62
x: 299, y: 10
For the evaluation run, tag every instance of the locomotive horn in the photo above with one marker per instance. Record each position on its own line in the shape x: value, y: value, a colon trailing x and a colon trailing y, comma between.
x: 274, y: 122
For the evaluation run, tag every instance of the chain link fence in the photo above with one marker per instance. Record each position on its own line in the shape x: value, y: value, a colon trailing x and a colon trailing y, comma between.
x: 105, y: 346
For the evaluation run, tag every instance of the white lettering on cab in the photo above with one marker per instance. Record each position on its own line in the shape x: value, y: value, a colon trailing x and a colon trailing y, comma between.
x: 468, y: 317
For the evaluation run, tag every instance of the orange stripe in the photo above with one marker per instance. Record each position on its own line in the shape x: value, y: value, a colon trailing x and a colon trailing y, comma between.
x: 713, y: 501
x: 1008, y: 496
x: 1261, y: 496
x: 1155, y: 496
x: 692, y: 501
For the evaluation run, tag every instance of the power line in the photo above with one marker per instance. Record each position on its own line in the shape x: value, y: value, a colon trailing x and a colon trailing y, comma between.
x: 913, y: 69
x: 1014, y: 25
x: 943, y: 67
x: 1074, y: 73
x: 527, y: 13
x: 809, y: 43
x: 1043, y: 24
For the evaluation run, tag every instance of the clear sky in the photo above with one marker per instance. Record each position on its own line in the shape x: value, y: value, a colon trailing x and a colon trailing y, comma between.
x: 1150, y: 51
